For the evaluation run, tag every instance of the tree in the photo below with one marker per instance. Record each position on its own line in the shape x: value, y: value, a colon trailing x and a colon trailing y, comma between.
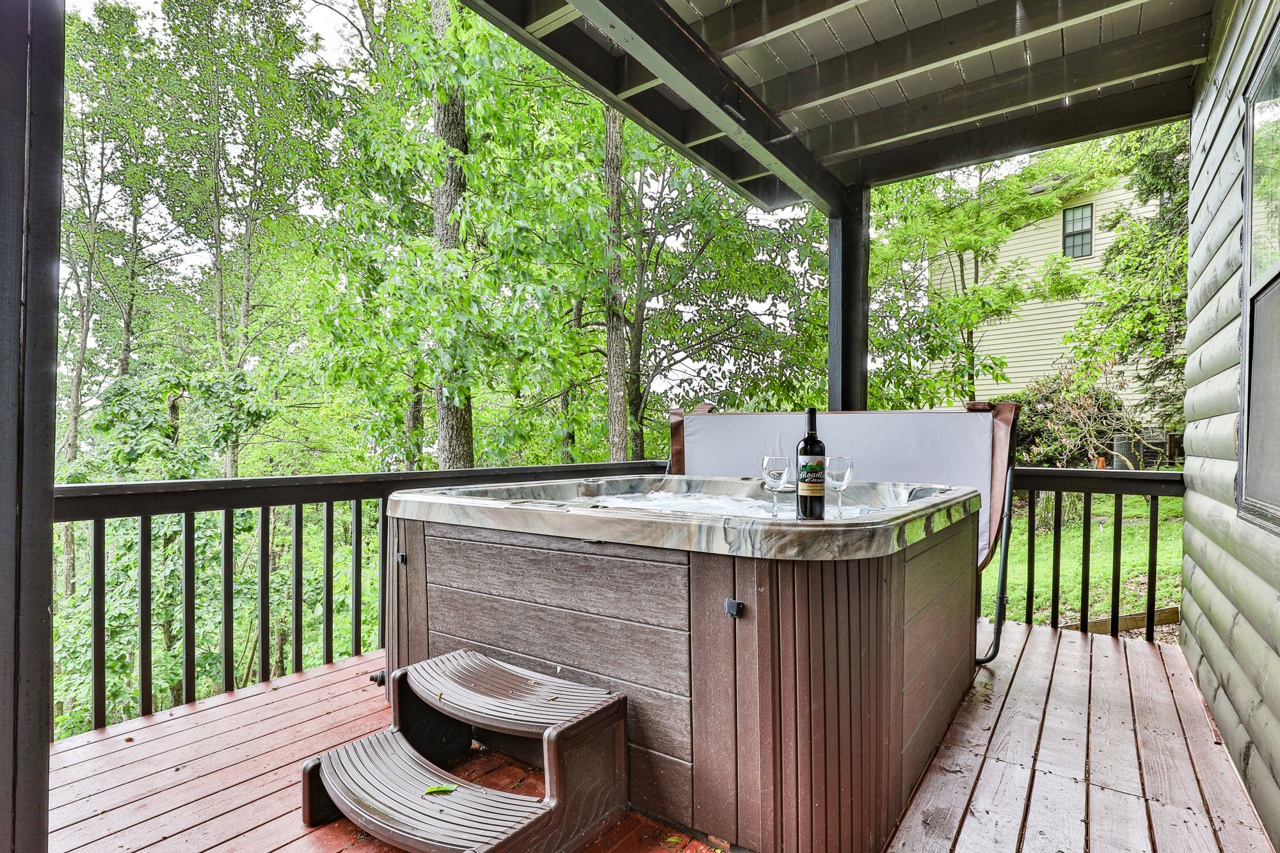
x: 937, y: 279
x: 1136, y: 308
x: 240, y: 150
x: 487, y: 310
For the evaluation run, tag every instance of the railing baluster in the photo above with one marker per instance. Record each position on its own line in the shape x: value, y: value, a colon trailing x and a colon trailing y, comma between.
x: 328, y: 582
x: 1153, y: 525
x: 228, y: 600
x: 264, y: 593
x: 1115, y: 567
x: 1086, y: 537
x: 382, y: 573
x: 99, y: 623
x: 357, y: 523
x: 297, y: 588
x: 189, y: 607
x: 1033, y: 498
x: 145, y: 691
x: 1057, y: 557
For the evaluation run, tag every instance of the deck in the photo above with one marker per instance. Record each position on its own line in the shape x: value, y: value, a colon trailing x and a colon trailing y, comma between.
x: 1071, y: 739
x: 224, y: 774
x: 1066, y: 739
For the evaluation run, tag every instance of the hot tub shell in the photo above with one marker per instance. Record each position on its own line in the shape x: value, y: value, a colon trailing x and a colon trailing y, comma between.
x: 798, y: 725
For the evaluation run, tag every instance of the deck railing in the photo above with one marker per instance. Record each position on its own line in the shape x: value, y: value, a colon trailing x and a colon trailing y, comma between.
x: 188, y: 499
x: 180, y: 506
x: 1059, y: 482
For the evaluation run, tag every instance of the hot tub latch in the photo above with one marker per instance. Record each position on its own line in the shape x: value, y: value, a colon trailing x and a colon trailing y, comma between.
x: 733, y: 607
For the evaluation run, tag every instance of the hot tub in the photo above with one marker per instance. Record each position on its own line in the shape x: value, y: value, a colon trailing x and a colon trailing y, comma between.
x: 787, y: 680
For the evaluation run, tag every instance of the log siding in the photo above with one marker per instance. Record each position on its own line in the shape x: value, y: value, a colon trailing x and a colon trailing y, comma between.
x: 1230, y: 630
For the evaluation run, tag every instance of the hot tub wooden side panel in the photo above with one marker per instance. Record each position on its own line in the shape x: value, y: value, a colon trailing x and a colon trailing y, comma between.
x: 613, y: 616
x: 816, y: 710
x: 939, y: 639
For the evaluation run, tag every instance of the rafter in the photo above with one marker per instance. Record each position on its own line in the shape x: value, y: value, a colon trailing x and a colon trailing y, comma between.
x: 1129, y: 110
x: 986, y: 28
x: 1165, y: 49
x: 545, y: 16
x: 752, y: 22
x: 652, y: 33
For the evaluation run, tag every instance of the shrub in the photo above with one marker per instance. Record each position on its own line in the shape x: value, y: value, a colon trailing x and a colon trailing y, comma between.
x: 1068, y: 420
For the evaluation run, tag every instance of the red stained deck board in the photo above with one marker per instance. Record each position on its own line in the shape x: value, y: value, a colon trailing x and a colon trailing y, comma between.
x: 210, y: 725
x: 101, y: 741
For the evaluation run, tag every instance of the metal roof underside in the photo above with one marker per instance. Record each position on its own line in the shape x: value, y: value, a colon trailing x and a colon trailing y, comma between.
x: 795, y: 100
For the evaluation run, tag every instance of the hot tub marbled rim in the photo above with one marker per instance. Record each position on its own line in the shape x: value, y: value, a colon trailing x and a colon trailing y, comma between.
x: 873, y: 535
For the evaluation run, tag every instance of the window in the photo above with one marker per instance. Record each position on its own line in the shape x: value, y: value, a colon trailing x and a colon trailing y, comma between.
x: 1077, y: 231
x: 1259, y: 480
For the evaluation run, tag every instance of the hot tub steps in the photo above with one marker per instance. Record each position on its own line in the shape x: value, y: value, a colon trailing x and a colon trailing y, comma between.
x: 381, y: 782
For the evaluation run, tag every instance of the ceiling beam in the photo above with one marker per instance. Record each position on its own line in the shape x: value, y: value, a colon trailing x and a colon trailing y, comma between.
x: 981, y: 30
x: 753, y: 22
x: 650, y: 31
x: 545, y: 16
x: 1143, y: 55
x: 1130, y: 110
x: 596, y: 69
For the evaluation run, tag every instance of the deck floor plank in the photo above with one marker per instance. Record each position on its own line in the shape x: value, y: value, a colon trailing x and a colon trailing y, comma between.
x: 1117, y: 822
x: 1237, y: 823
x: 1081, y: 742
x: 1055, y: 815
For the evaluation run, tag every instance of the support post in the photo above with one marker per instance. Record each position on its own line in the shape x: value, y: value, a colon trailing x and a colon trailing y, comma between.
x: 31, y: 76
x: 848, y: 319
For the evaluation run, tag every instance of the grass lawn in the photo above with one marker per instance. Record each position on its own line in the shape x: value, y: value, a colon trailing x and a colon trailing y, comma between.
x: 1133, y: 559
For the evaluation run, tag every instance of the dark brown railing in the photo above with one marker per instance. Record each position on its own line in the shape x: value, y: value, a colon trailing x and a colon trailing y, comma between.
x: 145, y: 501
x: 1090, y: 483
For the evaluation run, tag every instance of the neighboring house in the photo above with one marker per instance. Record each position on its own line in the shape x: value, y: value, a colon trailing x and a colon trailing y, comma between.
x: 1032, y: 342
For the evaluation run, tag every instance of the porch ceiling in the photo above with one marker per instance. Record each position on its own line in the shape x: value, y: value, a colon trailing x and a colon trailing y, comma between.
x: 795, y: 100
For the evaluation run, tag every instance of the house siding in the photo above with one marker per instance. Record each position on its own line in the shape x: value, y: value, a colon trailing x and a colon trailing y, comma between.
x: 1031, y: 343
x: 1230, y: 628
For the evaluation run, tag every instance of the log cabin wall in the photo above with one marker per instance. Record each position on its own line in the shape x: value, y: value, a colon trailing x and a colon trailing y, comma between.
x: 1231, y: 569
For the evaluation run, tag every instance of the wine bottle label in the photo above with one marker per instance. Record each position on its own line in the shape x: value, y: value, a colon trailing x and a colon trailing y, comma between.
x: 811, y: 476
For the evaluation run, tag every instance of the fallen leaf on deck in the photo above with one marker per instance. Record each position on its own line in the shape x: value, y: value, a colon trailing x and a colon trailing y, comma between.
x: 440, y: 789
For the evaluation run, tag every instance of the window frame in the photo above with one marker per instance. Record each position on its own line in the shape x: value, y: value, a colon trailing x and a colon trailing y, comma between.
x: 1252, y: 288
x: 1066, y: 234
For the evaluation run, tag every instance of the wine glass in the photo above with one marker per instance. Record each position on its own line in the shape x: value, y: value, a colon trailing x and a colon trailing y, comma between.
x: 775, y: 470
x: 839, y: 473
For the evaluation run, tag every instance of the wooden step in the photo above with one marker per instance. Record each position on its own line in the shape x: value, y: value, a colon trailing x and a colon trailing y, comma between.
x: 475, y: 689
x: 380, y: 782
x: 438, y: 706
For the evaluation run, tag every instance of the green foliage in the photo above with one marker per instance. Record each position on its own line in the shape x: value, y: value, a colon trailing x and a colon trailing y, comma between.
x: 936, y: 274
x: 1067, y: 420
x: 1136, y: 314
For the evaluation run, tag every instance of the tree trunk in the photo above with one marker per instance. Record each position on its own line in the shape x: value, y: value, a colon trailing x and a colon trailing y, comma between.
x: 231, y: 459
x: 75, y: 396
x: 413, y: 430
x: 220, y: 316
x: 569, y: 440
x: 454, y: 446
x: 615, y: 323
x: 635, y: 391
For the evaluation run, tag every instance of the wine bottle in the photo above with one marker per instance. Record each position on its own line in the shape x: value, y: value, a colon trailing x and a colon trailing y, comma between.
x: 811, y: 472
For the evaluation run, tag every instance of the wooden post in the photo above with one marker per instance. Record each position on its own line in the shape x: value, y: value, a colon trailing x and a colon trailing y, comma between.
x: 31, y: 48
x: 849, y: 249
